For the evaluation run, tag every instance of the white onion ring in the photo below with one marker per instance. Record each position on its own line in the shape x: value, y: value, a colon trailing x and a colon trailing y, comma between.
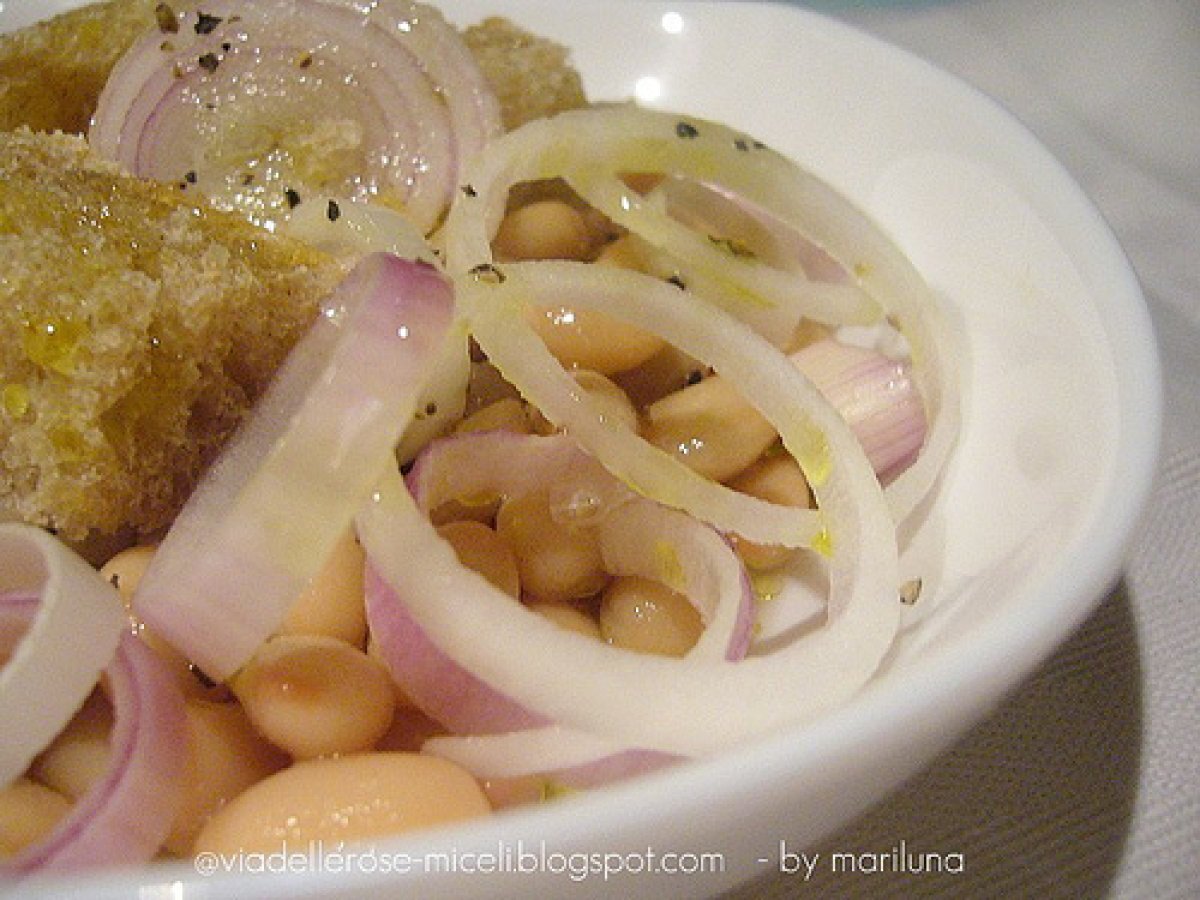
x: 264, y: 517
x: 70, y: 639
x: 585, y: 145
x: 636, y: 537
x: 126, y: 815
x: 496, y: 314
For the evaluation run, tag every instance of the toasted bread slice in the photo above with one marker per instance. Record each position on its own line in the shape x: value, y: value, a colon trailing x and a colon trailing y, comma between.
x: 531, y: 75
x: 137, y: 325
x: 51, y: 73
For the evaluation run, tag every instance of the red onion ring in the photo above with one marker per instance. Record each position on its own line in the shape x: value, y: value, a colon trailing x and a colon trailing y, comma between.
x: 266, y: 514
x: 55, y: 659
x: 397, y: 71
x: 634, y: 533
x: 123, y: 818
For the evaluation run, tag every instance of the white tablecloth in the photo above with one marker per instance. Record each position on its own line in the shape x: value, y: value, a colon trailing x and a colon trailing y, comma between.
x: 1086, y: 783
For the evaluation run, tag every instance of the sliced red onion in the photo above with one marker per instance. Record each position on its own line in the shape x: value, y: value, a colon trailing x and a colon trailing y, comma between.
x: 381, y: 99
x: 636, y: 537
x: 266, y: 514
x: 125, y: 817
x: 695, y: 705
x: 440, y: 687
x: 698, y: 329
x: 63, y: 629
x: 588, y: 147
x: 875, y: 395
x: 686, y: 706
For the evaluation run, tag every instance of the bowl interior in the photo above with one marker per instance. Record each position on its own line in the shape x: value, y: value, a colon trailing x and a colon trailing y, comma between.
x: 1058, y: 447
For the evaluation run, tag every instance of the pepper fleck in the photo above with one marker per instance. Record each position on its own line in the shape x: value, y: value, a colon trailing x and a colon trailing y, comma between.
x: 333, y: 211
x: 209, y: 62
x: 206, y: 24
x: 431, y: 408
x: 678, y: 282
x: 190, y: 177
x: 165, y: 16
x: 293, y: 198
x: 487, y: 272
x: 469, y: 190
x: 686, y: 130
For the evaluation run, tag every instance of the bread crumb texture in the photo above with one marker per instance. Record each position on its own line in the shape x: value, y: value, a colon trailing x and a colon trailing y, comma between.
x: 51, y: 72
x: 137, y: 326
x: 531, y: 75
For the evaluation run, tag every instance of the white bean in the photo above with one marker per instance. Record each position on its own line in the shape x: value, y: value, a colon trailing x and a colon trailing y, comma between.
x: 342, y: 799
x: 28, y: 813
x: 779, y: 479
x: 225, y: 756
x: 313, y: 695
x: 648, y: 617
x: 482, y: 550
x: 556, y: 560
x: 79, y: 756
x: 709, y: 427
x: 544, y: 229
x: 333, y: 603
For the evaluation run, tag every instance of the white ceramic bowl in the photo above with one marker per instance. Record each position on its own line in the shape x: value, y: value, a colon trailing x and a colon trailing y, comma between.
x: 1059, y: 445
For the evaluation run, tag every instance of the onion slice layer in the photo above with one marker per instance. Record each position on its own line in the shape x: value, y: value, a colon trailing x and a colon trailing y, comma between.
x: 266, y: 514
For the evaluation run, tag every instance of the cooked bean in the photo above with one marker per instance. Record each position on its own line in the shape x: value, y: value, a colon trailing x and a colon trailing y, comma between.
x: 28, y: 813
x: 623, y: 253
x: 482, y: 550
x: 709, y: 427
x: 313, y: 695
x: 341, y: 799
x: 647, y: 616
x: 557, y: 560
x: 79, y: 756
x: 544, y: 229
x: 591, y: 339
x: 778, y: 479
x: 124, y: 571
x: 225, y: 756
x: 333, y: 604
x: 505, y: 414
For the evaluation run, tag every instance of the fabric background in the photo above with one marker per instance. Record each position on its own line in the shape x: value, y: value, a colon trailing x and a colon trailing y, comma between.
x: 1086, y: 782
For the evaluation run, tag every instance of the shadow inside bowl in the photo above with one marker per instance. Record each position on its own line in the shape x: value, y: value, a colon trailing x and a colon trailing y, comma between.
x: 1036, y: 801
